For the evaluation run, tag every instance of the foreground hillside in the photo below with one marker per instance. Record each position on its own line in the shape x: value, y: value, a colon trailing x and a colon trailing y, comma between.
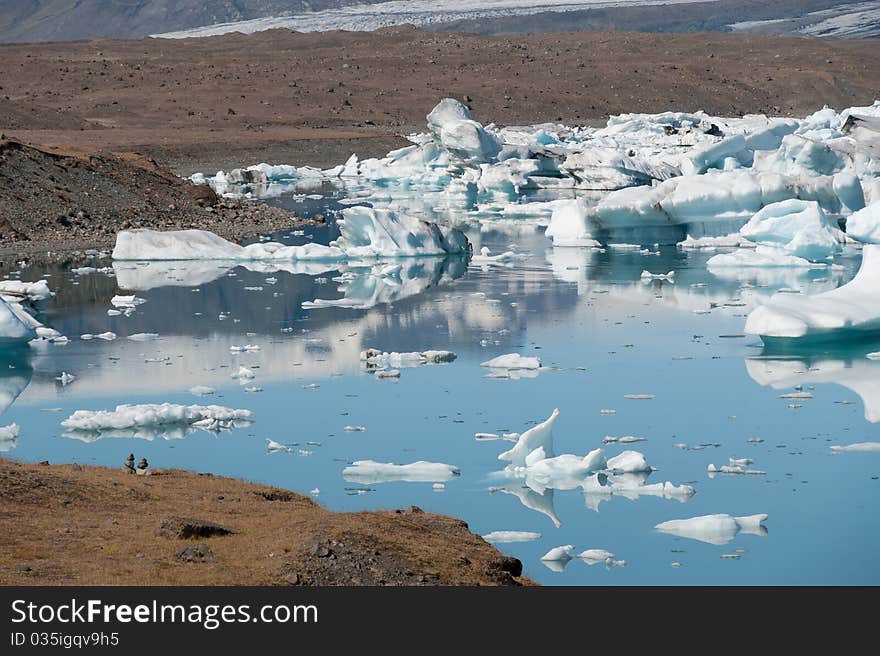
x: 79, y: 525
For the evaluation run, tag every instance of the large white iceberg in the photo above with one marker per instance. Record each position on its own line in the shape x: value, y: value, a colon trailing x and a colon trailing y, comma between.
x: 365, y: 233
x: 714, y: 529
x: 370, y: 471
x: 853, y: 309
x: 796, y: 227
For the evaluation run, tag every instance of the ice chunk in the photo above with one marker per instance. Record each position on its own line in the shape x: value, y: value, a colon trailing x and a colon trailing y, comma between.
x: 8, y: 437
x: 374, y: 358
x: 370, y: 471
x: 512, y: 361
x: 593, y: 556
x: 562, y: 553
x: 388, y: 373
x: 151, y: 420
x: 761, y: 257
x: 511, y: 536
x: 29, y: 291
x: 714, y: 529
x: 144, y: 337
x: 537, y: 437
x: 144, y: 244
x: 796, y: 227
x: 647, y: 275
x: 864, y: 225
x: 852, y: 309
x: 860, y: 446
x: 14, y: 327
x: 276, y: 447
x: 629, y: 462
x: 370, y: 232
x: 201, y: 390
x: 569, y: 225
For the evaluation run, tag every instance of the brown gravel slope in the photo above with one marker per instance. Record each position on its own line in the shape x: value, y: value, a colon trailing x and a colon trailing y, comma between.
x: 66, y: 199
x: 77, y: 525
x: 277, y: 87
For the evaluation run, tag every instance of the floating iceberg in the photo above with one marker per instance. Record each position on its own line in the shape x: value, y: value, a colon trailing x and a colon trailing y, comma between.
x: 28, y: 291
x: 629, y: 462
x: 369, y: 471
x: 365, y: 233
x: 8, y: 437
x: 593, y: 556
x: 858, y: 447
x: 850, y: 310
x: 512, y: 361
x: 374, y: 358
x: 714, y: 529
x: 796, y: 227
x: 510, y: 536
x: 148, y: 421
x: 864, y: 225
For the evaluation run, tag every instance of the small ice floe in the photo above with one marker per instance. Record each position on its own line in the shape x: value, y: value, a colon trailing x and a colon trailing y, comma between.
x: 315, y: 492
x: 512, y: 361
x: 607, y: 411
x: 355, y: 429
x: 755, y: 440
x: 201, y: 390
x: 593, y: 556
x: 438, y: 487
x: 370, y: 471
x: 858, y: 447
x: 150, y: 420
x: 275, y: 447
x: 123, y: 302
x: 735, y: 466
x: 65, y: 378
x: 244, y: 348
x: 486, y: 437
x: 558, y: 557
x: 796, y: 395
x: 647, y: 276
x: 8, y: 437
x: 107, y: 336
x: 625, y: 439
x: 714, y: 529
x: 243, y: 373
x: 485, y: 257
x: 144, y: 337
x: 638, y: 397
x: 311, y: 386
x: 873, y: 356
x: 629, y: 462
x: 499, y: 537
x: 253, y: 389
x: 388, y: 373
x: 374, y: 358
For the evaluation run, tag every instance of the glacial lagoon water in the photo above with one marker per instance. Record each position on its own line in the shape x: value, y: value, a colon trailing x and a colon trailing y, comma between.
x: 601, y: 332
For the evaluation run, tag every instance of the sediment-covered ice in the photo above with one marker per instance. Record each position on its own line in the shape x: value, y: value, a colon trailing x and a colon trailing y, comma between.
x: 850, y: 310
x: 714, y: 529
x: 370, y: 471
x: 150, y: 420
x: 374, y: 358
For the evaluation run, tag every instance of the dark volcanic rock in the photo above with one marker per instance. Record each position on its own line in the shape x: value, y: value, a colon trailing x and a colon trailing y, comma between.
x: 197, y: 553
x: 184, y: 528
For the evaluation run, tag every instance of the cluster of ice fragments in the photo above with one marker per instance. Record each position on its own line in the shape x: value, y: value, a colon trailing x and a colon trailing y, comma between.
x: 782, y: 192
x: 148, y: 421
x: 19, y: 301
x: 533, y: 464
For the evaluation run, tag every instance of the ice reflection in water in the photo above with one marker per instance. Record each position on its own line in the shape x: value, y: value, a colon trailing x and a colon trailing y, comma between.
x: 602, y: 333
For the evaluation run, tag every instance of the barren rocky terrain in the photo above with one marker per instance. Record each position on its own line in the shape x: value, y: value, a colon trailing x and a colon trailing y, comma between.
x: 78, y: 525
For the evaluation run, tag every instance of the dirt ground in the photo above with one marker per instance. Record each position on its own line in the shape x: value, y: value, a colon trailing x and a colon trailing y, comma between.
x: 79, y: 525
x: 293, y: 98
